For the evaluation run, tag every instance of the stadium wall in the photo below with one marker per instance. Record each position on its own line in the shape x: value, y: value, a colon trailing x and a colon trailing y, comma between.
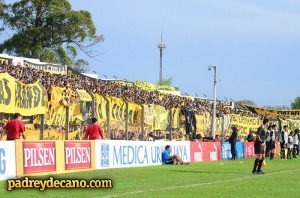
x: 122, y: 154
x: 32, y: 158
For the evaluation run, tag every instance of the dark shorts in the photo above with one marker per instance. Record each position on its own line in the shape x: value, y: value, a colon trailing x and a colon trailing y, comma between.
x: 272, y: 145
x: 258, y: 148
x: 282, y: 146
x: 169, y: 162
x: 11, y: 139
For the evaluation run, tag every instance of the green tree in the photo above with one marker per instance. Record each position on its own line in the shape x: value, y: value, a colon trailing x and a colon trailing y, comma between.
x: 48, y: 30
x: 1, y: 6
x: 248, y: 102
x: 1, y: 12
x: 296, y: 103
x: 166, y: 82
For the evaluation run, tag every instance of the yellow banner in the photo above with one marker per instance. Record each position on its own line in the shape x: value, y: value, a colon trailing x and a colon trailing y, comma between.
x: 56, y: 95
x: 134, y: 113
x: 149, y: 114
x: 100, y: 108
x: 292, y: 124
x: 84, y: 95
x: 62, y: 98
x: 161, y: 118
x: 245, y: 124
x: 56, y: 115
x: 26, y: 99
x: 117, y: 109
x: 118, y: 115
x: 175, y: 117
x: 200, y: 124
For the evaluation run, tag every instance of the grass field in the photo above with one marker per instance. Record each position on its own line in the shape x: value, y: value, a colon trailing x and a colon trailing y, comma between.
x: 216, y: 179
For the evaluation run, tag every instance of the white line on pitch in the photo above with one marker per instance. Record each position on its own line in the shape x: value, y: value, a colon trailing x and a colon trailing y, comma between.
x: 195, y: 185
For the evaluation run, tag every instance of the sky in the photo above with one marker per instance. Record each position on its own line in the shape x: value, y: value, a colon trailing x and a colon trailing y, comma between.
x: 254, y: 44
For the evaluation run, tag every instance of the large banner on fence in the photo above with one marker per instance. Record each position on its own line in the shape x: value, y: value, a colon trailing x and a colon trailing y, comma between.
x: 205, y: 151
x: 27, y: 99
x: 291, y: 123
x: 134, y: 114
x: 117, y: 113
x: 7, y: 160
x: 5, y: 61
x: 47, y: 67
x: 161, y: 118
x: 176, y: 118
x: 61, y: 98
x: 245, y: 124
x: 119, y: 154
x: 100, y: 109
x: 118, y: 109
x: 149, y: 114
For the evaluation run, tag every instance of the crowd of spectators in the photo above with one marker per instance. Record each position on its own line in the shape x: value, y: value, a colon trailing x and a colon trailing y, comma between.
x: 127, y: 92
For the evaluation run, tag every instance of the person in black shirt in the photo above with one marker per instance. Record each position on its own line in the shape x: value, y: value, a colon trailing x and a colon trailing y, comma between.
x: 250, y: 137
x: 272, y: 141
x: 268, y: 142
x: 296, y: 143
x: 232, y: 140
x: 259, y: 146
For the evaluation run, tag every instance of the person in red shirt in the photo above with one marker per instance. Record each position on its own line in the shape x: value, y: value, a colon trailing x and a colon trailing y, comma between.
x: 94, y: 131
x: 15, y: 128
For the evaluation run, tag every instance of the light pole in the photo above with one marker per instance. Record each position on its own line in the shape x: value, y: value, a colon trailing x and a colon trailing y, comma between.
x: 213, y: 124
x: 161, y: 46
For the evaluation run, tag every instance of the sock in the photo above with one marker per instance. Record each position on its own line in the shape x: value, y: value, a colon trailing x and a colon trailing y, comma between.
x: 255, y: 165
x: 272, y: 155
x: 260, y: 165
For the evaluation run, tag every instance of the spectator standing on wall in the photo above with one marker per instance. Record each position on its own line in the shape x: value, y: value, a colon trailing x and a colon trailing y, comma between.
x: 15, y: 128
x: 94, y: 131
